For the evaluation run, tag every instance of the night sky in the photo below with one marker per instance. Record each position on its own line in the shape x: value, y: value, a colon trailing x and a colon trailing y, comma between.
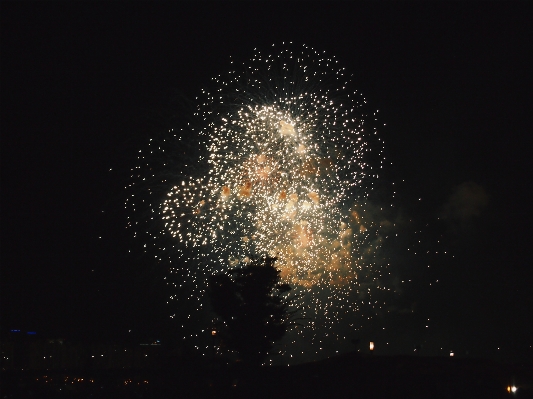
x: 84, y: 86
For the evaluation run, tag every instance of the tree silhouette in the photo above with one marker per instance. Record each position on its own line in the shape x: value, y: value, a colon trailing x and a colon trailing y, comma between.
x: 253, y: 306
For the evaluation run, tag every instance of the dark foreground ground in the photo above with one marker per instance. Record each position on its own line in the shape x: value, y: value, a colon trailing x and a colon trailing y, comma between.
x: 348, y: 376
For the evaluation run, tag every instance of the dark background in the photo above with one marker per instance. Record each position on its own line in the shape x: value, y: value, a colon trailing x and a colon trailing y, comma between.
x: 84, y: 86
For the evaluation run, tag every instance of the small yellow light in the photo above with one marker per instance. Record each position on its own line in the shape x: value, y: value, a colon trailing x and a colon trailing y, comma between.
x: 371, y: 345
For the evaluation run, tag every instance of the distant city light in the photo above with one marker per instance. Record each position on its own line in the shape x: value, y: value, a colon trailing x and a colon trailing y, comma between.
x: 452, y: 354
x: 371, y: 345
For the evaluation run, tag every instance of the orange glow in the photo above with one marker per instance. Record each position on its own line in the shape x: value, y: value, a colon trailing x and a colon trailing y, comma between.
x: 246, y: 189
x: 313, y: 196
x: 225, y: 192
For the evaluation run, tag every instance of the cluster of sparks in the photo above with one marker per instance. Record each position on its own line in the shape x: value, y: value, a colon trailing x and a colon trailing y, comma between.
x: 286, y: 174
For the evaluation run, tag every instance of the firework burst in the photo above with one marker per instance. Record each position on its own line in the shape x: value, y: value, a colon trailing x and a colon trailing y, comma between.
x: 287, y: 173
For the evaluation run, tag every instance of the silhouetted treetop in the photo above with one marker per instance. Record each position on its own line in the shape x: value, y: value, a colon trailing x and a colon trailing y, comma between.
x: 253, y: 306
